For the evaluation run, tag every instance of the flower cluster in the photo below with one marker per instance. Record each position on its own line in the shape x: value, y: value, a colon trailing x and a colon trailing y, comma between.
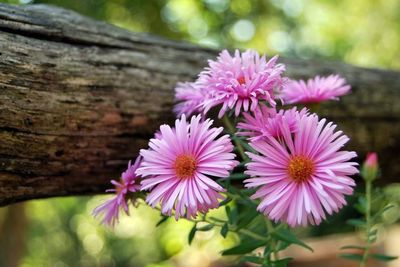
x: 294, y: 161
x: 238, y: 82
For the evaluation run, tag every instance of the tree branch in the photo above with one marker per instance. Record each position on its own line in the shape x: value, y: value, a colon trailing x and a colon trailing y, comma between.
x: 79, y: 98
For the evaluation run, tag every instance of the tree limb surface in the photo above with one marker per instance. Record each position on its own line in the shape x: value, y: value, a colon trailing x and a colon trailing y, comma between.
x: 79, y: 98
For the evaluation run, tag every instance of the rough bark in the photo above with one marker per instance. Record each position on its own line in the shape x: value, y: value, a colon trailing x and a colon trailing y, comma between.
x: 79, y: 98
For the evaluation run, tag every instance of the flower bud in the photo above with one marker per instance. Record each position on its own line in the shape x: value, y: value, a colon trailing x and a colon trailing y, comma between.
x: 370, y: 167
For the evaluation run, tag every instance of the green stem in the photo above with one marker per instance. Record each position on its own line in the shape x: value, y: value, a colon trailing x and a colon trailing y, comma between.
x: 232, y: 131
x: 242, y: 231
x: 368, y: 187
x: 232, y: 196
x: 271, y: 229
x: 252, y: 234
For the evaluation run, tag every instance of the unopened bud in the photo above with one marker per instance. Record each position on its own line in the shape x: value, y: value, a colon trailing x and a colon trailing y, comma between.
x: 370, y: 167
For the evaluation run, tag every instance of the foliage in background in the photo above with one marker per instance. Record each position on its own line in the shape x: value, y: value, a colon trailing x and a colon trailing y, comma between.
x: 63, y: 233
x: 374, y: 205
x: 361, y: 32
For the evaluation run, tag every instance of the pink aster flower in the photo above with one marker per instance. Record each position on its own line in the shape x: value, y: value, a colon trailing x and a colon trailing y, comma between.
x: 178, y: 168
x: 303, y: 176
x: 110, y: 209
x: 240, y: 81
x: 315, y: 90
x: 267, y: 122
x: 189, y: 97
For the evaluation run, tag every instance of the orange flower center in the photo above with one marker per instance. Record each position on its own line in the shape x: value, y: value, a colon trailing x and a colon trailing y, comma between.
x: 241, y: 80
x: 185, y: 166
x: 300, y: 168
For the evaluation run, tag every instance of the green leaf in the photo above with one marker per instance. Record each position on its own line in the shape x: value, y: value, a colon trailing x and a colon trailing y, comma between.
x: 247, y: 217
x: 217, y: 219
x: 267, y: 252
x: 281, y: 262
x: 246, y: 246
x: 244, y: 143
x: 352, y: 257
x: 241, y: 164
x: 353, y: 247
x: 287, y: 236
x: 372, y: 235
x: 373, y: 232
x: 225, y: 201
x: 377, y: 216
x: 356, y: 222
x: 388, y: 207
x: 383, y: 257
x: 232, y: 215
x: 192, y: 233
x: 224, y: 230
x: 361, y: 205
x: 205, y: 228
x: 252, y: 259
x: 282, y: 245
x: 162, y: 220
x: 238, y: 176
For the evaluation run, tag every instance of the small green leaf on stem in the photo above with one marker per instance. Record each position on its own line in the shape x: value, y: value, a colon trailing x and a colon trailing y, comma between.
x: 252, y: 259
x: 205, y: 228
x: 281, y: 262
x: 162, y: 220
x: 282, y: 245
x: 225, y: 201
x: 383, y: 257
x: 247, y: 217
x: 353, y: 257
x: 232, y: 215
x: 361, y: 205
x: 353, y: 247
x: 246, y: 246
x: 224, y: 230
x: 192, y: 233
x: 216, y: 219
x: 357, y: 222
x: 287, y: 236
x: 238, y: 176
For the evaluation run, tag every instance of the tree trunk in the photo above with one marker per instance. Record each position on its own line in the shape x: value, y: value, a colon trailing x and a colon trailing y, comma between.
x: 79, y: 98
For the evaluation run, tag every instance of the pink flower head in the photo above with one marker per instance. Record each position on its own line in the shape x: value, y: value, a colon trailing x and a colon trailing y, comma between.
x: 177, y: 167
x: 303, y: 175
x: 267, y: 122
x: 189, y: 97
x: 240, y: 81
x: 315, y: 90
x: 109, y: 210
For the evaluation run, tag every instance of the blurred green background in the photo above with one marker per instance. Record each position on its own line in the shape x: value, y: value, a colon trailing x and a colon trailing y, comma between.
x: 61, y: 232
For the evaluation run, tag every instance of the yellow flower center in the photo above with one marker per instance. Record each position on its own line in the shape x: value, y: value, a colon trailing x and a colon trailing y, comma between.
x: 300, y: 168
x: 185, y: 166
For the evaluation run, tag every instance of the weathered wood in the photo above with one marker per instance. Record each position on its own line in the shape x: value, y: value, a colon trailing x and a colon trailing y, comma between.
x: 78, y: 98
